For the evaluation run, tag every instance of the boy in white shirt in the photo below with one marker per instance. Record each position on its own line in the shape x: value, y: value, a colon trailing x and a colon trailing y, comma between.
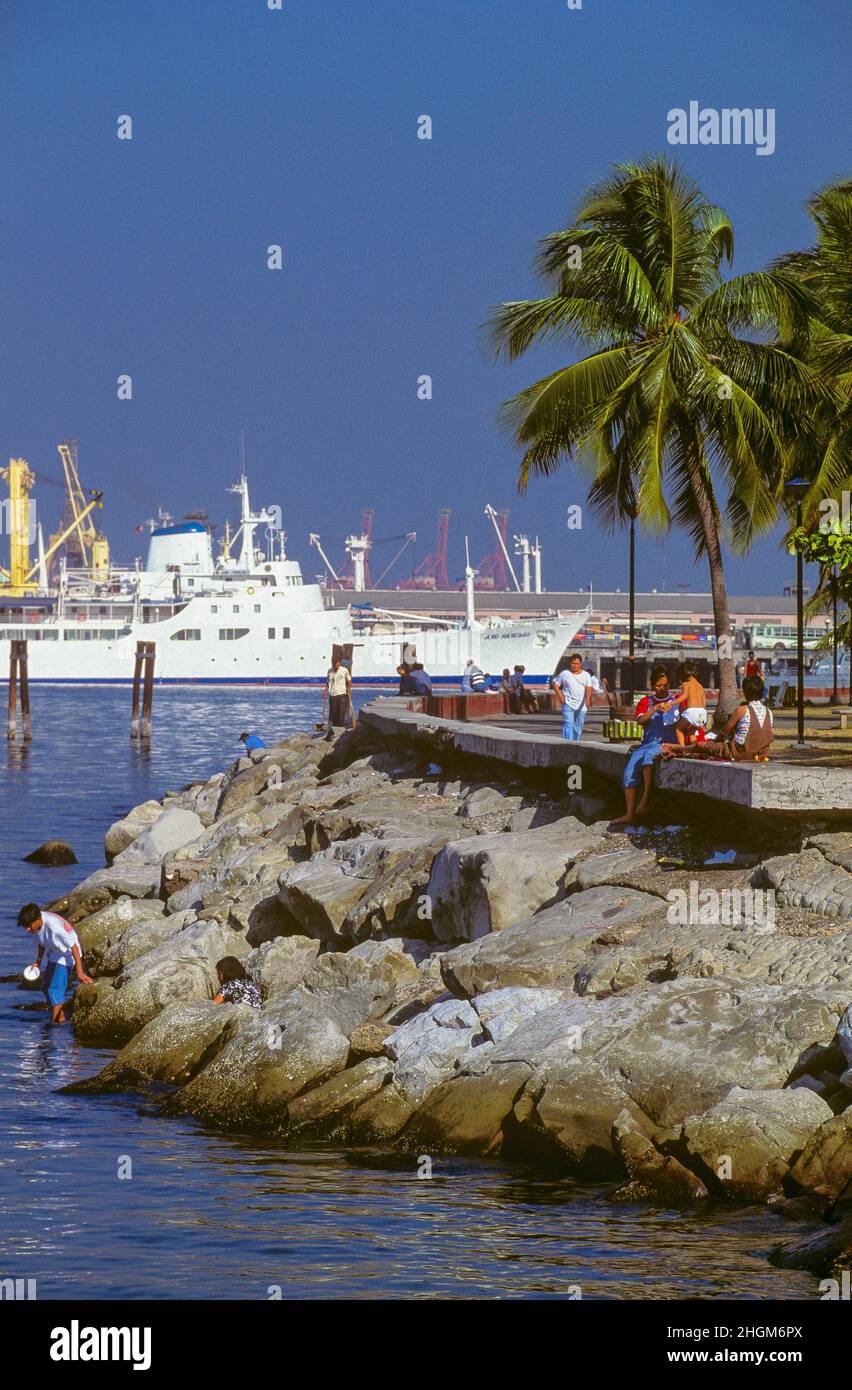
x: 58, y: 950
x: 574, y: 688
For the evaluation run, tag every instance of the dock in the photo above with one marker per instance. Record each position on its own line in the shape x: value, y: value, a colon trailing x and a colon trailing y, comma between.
x: 802, y: 786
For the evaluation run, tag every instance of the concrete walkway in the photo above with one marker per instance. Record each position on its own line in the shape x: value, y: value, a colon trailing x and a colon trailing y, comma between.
x: 793, y: 789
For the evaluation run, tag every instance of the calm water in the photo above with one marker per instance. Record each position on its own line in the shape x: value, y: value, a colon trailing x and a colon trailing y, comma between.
x: 212, y: 1216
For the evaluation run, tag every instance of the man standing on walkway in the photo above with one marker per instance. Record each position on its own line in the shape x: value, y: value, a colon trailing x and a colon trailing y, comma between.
x: 338, y: 691
x: 574, y: 688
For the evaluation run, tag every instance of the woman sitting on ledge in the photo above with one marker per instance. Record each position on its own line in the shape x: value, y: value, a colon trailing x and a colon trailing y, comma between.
x: 747, y: 734
x: 658, y: 714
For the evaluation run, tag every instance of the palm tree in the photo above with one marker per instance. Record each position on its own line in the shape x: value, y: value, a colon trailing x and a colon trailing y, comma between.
x: 823, y: 452
x: 671, y: 398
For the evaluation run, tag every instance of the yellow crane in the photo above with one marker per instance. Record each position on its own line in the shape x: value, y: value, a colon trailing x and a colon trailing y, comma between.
x: 20, y: 577
x: 92, y: 548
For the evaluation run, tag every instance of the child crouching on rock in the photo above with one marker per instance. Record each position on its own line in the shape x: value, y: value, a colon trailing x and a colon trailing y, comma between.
x: 236, y: 986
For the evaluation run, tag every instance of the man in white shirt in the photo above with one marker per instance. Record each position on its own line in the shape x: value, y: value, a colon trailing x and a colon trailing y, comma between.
x: 338, y: 692
x: 574, y: 688
x: 58, y: 951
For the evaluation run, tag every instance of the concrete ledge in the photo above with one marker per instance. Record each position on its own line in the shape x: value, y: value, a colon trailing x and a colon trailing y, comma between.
x: 781, y: 787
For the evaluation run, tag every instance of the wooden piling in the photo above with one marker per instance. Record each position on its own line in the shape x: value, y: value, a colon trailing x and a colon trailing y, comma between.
x: 148, y: 689
x: 137, y: 678
x: 12, y: 725
x: 24, y: 678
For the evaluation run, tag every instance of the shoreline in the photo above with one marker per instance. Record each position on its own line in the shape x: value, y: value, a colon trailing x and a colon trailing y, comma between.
x: 450, y: 966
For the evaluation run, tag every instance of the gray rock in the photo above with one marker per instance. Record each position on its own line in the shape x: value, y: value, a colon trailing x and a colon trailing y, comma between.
x: 748, y: 1139
x: 103, y: 930
x: 325, y: 1111
x: 170, y: 1048
x: 280, y: 965
x: 825, y: 1163
x: 430, y: 1047
x: 502, y: 1011
x: 123, y: 832
x: 170, y: 832
x: 490, y: 882
x: 143, y: 935
x: 548, y: 949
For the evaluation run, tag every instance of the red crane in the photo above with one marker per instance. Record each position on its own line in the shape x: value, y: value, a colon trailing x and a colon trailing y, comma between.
x: 431, y: 573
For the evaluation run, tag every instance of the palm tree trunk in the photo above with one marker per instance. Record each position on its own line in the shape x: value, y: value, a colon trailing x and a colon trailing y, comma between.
x: 728, y: 696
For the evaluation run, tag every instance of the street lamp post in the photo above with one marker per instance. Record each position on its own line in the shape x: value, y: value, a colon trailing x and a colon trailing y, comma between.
x: 797, y: 487
x: 631, y: 651
x: 835, y: 698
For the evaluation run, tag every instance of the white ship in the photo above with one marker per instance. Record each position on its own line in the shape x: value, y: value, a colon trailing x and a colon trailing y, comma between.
x: 248, y: 619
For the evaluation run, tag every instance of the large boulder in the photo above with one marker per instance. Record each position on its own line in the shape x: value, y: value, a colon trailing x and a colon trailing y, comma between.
x: 146, y: 931
x: 53, y: 854
x: 318, y: 895
x: 825, y: 1163
x: 280, y: 965
x: 136, y: 880
x: 180, y: 969
x: 431, y: 1046
x: 170, y: 832
x: 284, y: 1049
x: 325, y: 1111
x: 659, y: 1052
x: 170, y: 1049
x: 548, y: 949
x: 490, y: 882
x: 123, y: 832
x: 102, y: 931
x: 747, y: 1141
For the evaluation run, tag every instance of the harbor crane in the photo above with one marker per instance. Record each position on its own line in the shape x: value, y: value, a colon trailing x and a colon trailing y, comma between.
x: 22, y: 577
x: 431, y: 573
x: 492, y: 567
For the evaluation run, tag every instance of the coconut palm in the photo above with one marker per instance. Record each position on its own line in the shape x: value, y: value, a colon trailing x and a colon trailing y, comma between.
x: 823, y: 451
x: 671, y: 400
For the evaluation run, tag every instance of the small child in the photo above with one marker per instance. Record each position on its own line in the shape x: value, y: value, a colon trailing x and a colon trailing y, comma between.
x: 58, y: 950
x: 237, y: 986
x: 693, y: 700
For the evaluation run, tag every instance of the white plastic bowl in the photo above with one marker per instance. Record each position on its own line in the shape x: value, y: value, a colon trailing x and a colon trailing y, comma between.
x: 32, y: 973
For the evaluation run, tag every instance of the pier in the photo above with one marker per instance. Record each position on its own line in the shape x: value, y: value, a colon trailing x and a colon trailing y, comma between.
x: 800, y: 786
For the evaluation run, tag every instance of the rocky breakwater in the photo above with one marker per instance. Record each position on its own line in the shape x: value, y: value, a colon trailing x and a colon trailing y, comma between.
x: 447, y: 966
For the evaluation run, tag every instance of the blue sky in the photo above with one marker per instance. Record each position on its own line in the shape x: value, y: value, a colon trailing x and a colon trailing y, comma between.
x: 299, y: 127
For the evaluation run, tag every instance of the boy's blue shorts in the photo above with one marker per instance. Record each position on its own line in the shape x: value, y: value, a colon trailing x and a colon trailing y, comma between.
x: 639, y: 758
x: 55, y: 983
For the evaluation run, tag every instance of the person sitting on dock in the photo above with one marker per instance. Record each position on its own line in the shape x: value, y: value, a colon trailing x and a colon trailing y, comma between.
x: 420, y: 680
x: 252, y: 741
x: 658, y: 714
x: 747, y: 734
x: 236, y: 986
x: 58, y: 950
x: 469, y: 667
x: 478, y: 680
x: 406, y: 684
x: 522, y: 699
x: 574, y: 688
x: 692, y: 701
